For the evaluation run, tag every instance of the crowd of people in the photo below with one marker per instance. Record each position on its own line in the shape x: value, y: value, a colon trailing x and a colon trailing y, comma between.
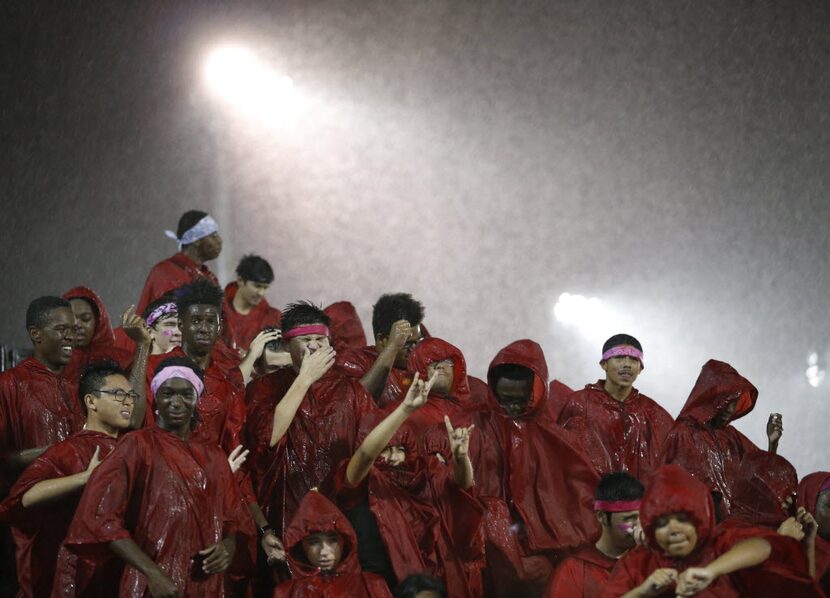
x: 212, y: 445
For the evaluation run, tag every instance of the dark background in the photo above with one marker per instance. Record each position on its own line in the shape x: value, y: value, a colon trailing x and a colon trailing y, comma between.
x: 668, y: 158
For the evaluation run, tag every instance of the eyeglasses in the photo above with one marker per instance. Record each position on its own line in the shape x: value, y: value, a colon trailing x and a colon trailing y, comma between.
x: 121, y: 396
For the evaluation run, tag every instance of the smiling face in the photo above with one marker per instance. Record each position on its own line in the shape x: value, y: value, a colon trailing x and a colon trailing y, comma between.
x: 323, y: 550
x: 175, y: 402
x: 251, y: 293
x: 85, y: 322
x: 106, y: 407
x: 675, y: 535
x: 622, y: 370
x: 200, y: 328
x: 54, y: 341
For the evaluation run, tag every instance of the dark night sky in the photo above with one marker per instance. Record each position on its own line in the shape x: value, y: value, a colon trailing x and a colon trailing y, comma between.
x: 670, y: 158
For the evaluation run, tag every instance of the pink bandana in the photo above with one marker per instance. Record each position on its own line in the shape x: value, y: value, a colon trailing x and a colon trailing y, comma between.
x: 162, y: 311
x: 303, y: 330
x: 177, y: 371
x: 616, y: 506
x: 624, y: 350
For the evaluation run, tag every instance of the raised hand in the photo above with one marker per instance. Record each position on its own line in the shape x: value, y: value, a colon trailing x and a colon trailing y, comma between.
x: 418, y: 393
x: 693, y: 580
x: 237, y: 457
x: 792, y: 529
x: 399, y: 334
x: 316, y: 364
x: 775, y: 428
x: 262, y: 339
x: 459, y: 439
x: 135, y: 327
x: 273, y: 548
x: 808, y: 524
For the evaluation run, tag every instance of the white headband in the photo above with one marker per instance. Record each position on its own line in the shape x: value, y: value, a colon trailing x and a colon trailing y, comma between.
x: 204, y: 228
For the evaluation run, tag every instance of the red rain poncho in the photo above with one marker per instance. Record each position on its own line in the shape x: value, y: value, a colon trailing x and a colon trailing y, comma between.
x: 102, y: 345
x: 39, y: 531
x: 712, y: 455
x: 531, y: 475
x: 37, y: 408
x: 315, y: 513
x: 559, y: 394
x: 581, y: 575
x: 355, y: 363
x: 426, y: 521
x: 221, y: 407
x: 321, y: 435
x: 239, y: 330
x: 673, y: 490
x: 346, y: 328
x: 630, y: 433
x: 458, y: 404
x: 808, y: 493
x: 763, y: 482
x: 172, y: 273
x: 172, y: 497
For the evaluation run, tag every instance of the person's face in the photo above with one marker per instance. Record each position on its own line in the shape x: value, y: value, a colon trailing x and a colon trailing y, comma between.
x: 822, y: 514
x: 514, y: 395
x: 54, y: 342
x: 676, y: 535
x: 393, y: 455
x: 166, y: 333
x: 312, y: 342
x: 444, y: 371
x: 622, y: 370
x: 323, y: 550
x: 175, y: 401
x: 106, y: 406
x: 85, y: 322
x: 402, y: 356
x: 620, y: 527
x: 200, y: 328
x: 251, y: 292
x: 724, y: 416
x: 210, y: 247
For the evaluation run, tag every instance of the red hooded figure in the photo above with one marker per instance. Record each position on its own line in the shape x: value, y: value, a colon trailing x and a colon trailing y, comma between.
x: 321, y: 435
x: 457, y: 404
x: 346, y: 328
x: 102, y: 346
x: 809, y: 491
x: 426, y: 521
x: 39, y: 531
x: 172, y: 497
x: 316, y: 514
x: 703, y: 440
x: 673, y: 491
x: 764, y: 484
x: 535, y: 481
x: 176, y: 271
x: 617, y: 435
x: 240, y: 329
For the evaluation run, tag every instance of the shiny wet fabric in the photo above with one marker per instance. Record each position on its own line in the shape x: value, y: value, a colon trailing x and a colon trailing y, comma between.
x: 581, y: 575
x: 172, y: 273
x: 355, y: 363
x: 238, y: 330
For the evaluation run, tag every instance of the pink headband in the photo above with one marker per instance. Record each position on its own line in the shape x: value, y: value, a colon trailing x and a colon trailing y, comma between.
x: 303, y: 330
x: 624, y: 350
x: 161, y: 311
x: 177, y: 371
x: 616, y: 506
x: 824, y: 486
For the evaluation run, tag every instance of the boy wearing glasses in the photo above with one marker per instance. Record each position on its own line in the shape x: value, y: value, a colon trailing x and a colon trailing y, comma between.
x: 41, y: 504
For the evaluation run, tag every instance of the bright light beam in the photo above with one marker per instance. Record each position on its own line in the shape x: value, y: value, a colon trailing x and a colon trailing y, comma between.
x: 588, y: 315
x: 238, y: 76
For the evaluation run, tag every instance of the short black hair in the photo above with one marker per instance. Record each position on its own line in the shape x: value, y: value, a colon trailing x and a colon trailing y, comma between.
x: 419, y: 582
x: 188, y: 220
x: 37, y: 314
x: 301, y: 313
x: 164, y: 299
x: 393, y: 307
x: 95, y: 376
x: 511, y: 371
x: 181, y: 361
x: 621, y: 339
x: 201, y: 292
x: 619, y: 486
x: 256, y: 269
